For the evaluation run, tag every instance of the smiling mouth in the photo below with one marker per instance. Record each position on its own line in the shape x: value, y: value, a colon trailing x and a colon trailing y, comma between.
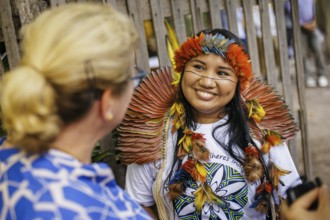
x: 204, y: 95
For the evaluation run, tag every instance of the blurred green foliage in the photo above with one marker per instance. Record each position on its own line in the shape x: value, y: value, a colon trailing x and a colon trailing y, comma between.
x: 98, y: 155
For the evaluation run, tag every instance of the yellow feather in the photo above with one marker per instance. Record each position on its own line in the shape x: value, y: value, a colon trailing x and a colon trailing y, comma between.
x: 201, y: 169
x: 276, y: 173
x: 172, y: 44
x: 249, y: 104
x: 214, y: 198
x: 173, y: 40
x: 200, y: 198
x: 179, y: 108
x: 280, y: 171
x: 181, y: 140
x: 154, y: 121
x: 170, y: 51
x: 176, y: 78
x: 187, y: 144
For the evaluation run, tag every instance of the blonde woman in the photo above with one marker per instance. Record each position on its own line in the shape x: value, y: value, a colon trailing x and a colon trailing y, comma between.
x: 72, y: 88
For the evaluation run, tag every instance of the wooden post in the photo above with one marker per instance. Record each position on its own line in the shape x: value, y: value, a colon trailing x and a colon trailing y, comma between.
x: 142, y: 52
x: 267, y: 40
x: 195, y: 24
x: 301, y: 90
x: 231, y: 15
x: 284, y: 67
x: 214, y: 6
x: 251, y: 36
x: 178, y: 17
x: 2, y: 69
x: 9, y: 34
x: 111, y: 2
x: 199, y: 15
x: 55, y: 3
x: 1, y: 36
x: 159, y: 28
x: 29, y: 9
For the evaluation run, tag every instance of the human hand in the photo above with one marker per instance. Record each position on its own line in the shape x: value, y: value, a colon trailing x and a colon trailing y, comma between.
x: 299, y: 209
x: 311, y: 26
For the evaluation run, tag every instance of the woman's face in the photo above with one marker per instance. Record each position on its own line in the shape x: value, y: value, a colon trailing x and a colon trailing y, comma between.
x: 209, y: 84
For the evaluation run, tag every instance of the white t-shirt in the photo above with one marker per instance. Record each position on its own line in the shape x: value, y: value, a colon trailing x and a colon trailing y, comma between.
x: 225, y: 177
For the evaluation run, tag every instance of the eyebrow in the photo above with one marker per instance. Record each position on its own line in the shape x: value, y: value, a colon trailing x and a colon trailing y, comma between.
x: 220, y: 67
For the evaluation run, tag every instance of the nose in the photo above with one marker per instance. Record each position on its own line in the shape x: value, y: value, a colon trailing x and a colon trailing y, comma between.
x: 207, y: 80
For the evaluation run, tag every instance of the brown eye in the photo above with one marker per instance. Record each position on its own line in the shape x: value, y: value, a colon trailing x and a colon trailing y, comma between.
x: 198, y: 67
x: 222, y: 73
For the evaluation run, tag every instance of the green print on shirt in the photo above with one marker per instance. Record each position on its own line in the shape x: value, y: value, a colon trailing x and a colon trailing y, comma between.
x: 227, y: 183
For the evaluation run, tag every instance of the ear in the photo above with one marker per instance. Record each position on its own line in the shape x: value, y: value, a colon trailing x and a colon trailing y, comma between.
x: 106, y: 105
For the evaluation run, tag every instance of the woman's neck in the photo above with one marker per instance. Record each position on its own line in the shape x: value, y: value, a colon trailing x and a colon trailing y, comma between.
x: 76, y: 142
x: 79, y: 139
x: 209, y: 119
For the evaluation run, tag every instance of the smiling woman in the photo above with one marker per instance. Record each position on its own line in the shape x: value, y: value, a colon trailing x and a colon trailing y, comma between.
x: 207, y: 143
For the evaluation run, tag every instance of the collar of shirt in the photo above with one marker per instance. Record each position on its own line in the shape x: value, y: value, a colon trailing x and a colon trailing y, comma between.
x: 56, y: 165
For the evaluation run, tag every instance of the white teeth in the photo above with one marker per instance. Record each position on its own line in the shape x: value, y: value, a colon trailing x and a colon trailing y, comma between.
x: 205, y: 94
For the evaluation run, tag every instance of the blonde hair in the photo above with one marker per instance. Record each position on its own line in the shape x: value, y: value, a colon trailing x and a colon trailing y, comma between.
x: 69, y: 54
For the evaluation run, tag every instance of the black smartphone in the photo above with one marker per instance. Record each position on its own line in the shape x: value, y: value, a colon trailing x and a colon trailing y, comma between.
x: 299, y: 190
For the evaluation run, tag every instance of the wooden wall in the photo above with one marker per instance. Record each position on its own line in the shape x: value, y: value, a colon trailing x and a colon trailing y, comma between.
x: 269, y: 53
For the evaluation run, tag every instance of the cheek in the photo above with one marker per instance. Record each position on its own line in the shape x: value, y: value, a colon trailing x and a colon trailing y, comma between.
x: 184, y: 87
x: 123, y: 102
x: 186, y: 84
x: 232, y: 93
x: 127, y: 97
x: 228, y: 89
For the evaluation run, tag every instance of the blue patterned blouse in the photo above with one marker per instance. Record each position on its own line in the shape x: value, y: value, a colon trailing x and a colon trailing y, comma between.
x: 57, y: 186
